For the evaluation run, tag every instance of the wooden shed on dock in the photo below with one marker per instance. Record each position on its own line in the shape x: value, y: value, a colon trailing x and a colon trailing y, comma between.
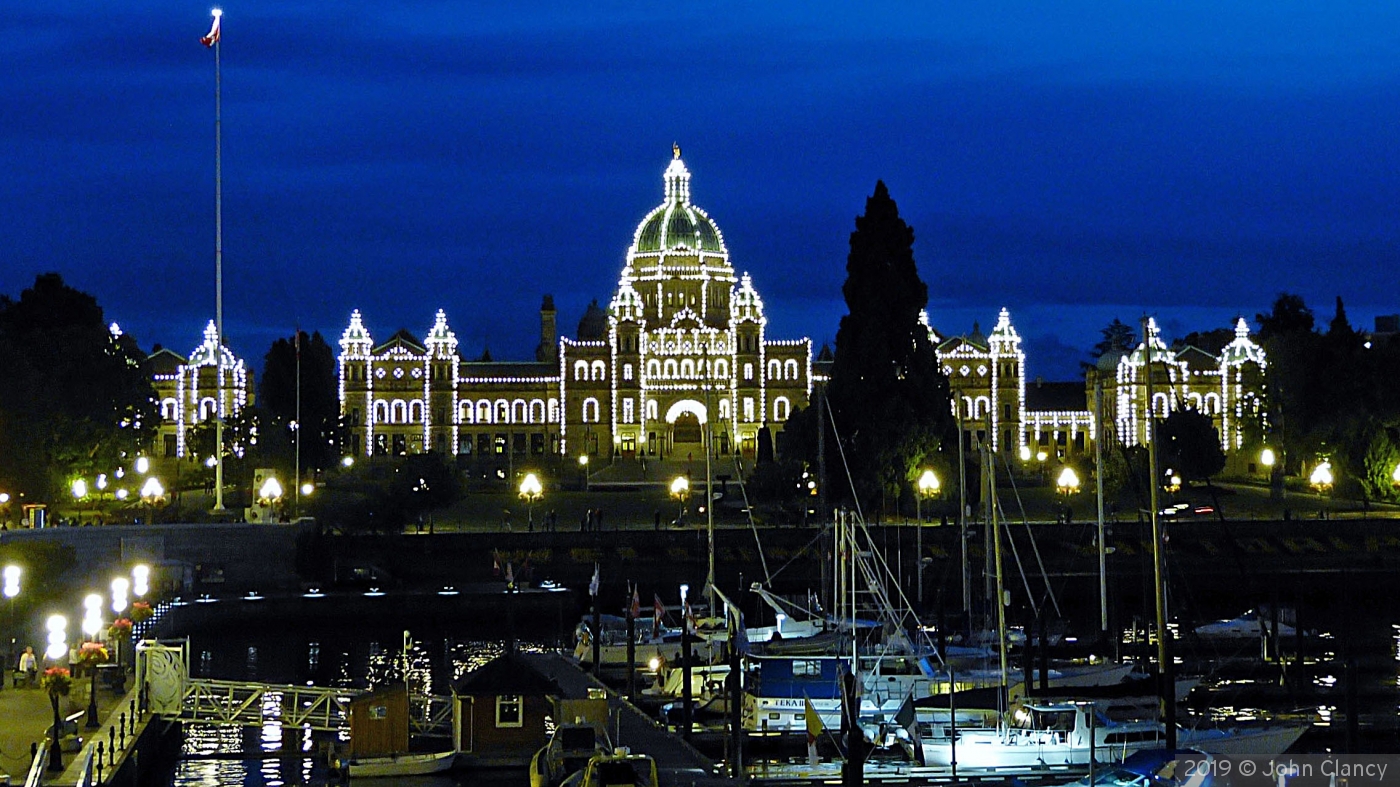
x: 499, y: 711
x: 379, y: 723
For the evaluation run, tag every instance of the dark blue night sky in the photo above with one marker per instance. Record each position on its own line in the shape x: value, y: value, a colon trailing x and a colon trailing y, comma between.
x: 1071, y: 161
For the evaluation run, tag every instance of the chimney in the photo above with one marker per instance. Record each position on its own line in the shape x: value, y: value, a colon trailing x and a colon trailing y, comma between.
x: 548, y: 351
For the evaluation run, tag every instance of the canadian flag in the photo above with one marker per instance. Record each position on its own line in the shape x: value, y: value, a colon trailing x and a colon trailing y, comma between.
x: 635, y: 610
x: 658, y: 611
x: 213, y: 37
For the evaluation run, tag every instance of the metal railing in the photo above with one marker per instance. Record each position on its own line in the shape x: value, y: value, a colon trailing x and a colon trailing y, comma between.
x: 259, y: 704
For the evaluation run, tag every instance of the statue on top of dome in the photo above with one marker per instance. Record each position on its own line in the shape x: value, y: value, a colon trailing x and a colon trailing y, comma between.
x: 676, y: 150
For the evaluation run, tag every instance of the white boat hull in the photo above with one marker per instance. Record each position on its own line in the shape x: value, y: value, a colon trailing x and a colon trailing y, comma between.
x: 401, y: 765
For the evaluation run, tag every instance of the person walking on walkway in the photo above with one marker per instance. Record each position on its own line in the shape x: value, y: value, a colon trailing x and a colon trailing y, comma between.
x: 29, y: 665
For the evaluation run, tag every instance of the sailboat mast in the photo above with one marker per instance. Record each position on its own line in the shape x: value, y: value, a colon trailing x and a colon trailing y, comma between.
x: 1098, y: 482
x: 1166, y: 691
x: 962, y: 523
x: 1001, y: 590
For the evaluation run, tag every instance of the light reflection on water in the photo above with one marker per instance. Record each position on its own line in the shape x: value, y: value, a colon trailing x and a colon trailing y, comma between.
x: 357, y: 659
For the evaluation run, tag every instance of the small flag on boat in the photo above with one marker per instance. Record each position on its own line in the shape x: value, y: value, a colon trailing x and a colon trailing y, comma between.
x: 593, y: 583
x: 658, y: 612
x: 634, y: 611
x: 814, y: 729
x: 213, y: 37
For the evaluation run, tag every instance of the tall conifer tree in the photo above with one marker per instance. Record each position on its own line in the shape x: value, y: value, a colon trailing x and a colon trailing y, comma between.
x: 887, y: 394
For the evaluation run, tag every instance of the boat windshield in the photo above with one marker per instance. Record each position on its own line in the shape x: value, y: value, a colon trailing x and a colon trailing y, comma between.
x: 577, y: 738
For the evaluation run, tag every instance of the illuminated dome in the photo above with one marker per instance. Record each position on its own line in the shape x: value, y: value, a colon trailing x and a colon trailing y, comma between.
x: 676, y: 224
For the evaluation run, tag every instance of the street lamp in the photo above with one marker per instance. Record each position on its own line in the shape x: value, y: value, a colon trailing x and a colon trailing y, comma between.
x: 928, y: 487
x: 1068, y: 482
x: 1321, y: 478
x: 270, y: 492
x: 140, y: 579
x: 143, y: 465
x: 680, y: 490
x: 583, y: 469
x: 1267, y: 458
x: 152, y: 493
x: 11, y: 589
x: 92, y: 623
x: 120, y: 587
x: 80, y: 491
x: 57, y: 626
x: 1395, y: 476
x: 530, y: 491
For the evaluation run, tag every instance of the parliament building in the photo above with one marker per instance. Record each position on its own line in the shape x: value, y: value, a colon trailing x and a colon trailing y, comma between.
x: 683, y: 343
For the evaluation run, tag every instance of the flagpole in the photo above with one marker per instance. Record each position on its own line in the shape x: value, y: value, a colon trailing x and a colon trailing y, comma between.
x: 219, y: 266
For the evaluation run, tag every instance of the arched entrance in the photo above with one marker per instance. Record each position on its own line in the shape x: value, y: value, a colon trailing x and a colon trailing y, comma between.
x: 687, y: 418
x: 686, y: 429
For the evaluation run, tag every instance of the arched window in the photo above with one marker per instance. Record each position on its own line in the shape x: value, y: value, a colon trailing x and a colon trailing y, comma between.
x: 981, y: 407
x: 483, y: 411
x: 519, y: 412
x: 653, y: 368
x: 580, y: 370
x: 775, y: 369
x: 1193, y: 401
x: 590, y: 410
x: 415, y: 411
x: 537, y: 411
x: 381, y: 412
x: 687, y: 368
x: 748, y: 371
x: 1161, y: 405
x: 553, y: 410
x: 398, y: 412
x: 465, y: 414
x: 600, y: 371
x: 208, y: 408
x: 1212, y: 404
x: 781, y: 408
x: 790, y: 369
x: 627, y: 372
x: 502, y: 411
x: 670, y: 368
x: 724, y: 409
x: 169, y: 409
x: 651, y: 410
x: 721, y: 369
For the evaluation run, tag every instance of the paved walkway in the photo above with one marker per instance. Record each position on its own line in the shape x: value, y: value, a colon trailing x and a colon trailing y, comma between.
x: 25, y: 718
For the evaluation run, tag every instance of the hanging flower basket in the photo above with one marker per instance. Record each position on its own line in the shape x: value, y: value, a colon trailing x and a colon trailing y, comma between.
x: 92, y: 654
x: 56, y: 681
x: 120, y: 629
x: 141, y: 612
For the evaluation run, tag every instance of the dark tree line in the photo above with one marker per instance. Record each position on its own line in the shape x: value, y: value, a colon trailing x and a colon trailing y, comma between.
x: 1333, y: 394
x: 75, y: 398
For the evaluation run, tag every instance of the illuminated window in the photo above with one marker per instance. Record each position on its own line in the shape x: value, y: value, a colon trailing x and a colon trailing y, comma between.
x: 748, y: 371
x: 790, y: 369
x: 600, y: 371
x: 537, y: 411
x: 580, y: 370
x: 483, y: 412
x: 724, y: 409
x: 398, y: 411
x: 465, y: 414
x: 627, y: 372
x: 518, y: 412
x: 775, y: 369
x: 629, y: 414
x: 169, y: 409
x: 502, y: 411
x: 721, y: 369
x: 590, y: 410
x: 748, y: 408
x: 687, y: 368
x: 670, y: 368
x: 781, y: 408
x: 651, y: 410
x: 653, y: 368
x: 380, y: 412
x: 553, y: 410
